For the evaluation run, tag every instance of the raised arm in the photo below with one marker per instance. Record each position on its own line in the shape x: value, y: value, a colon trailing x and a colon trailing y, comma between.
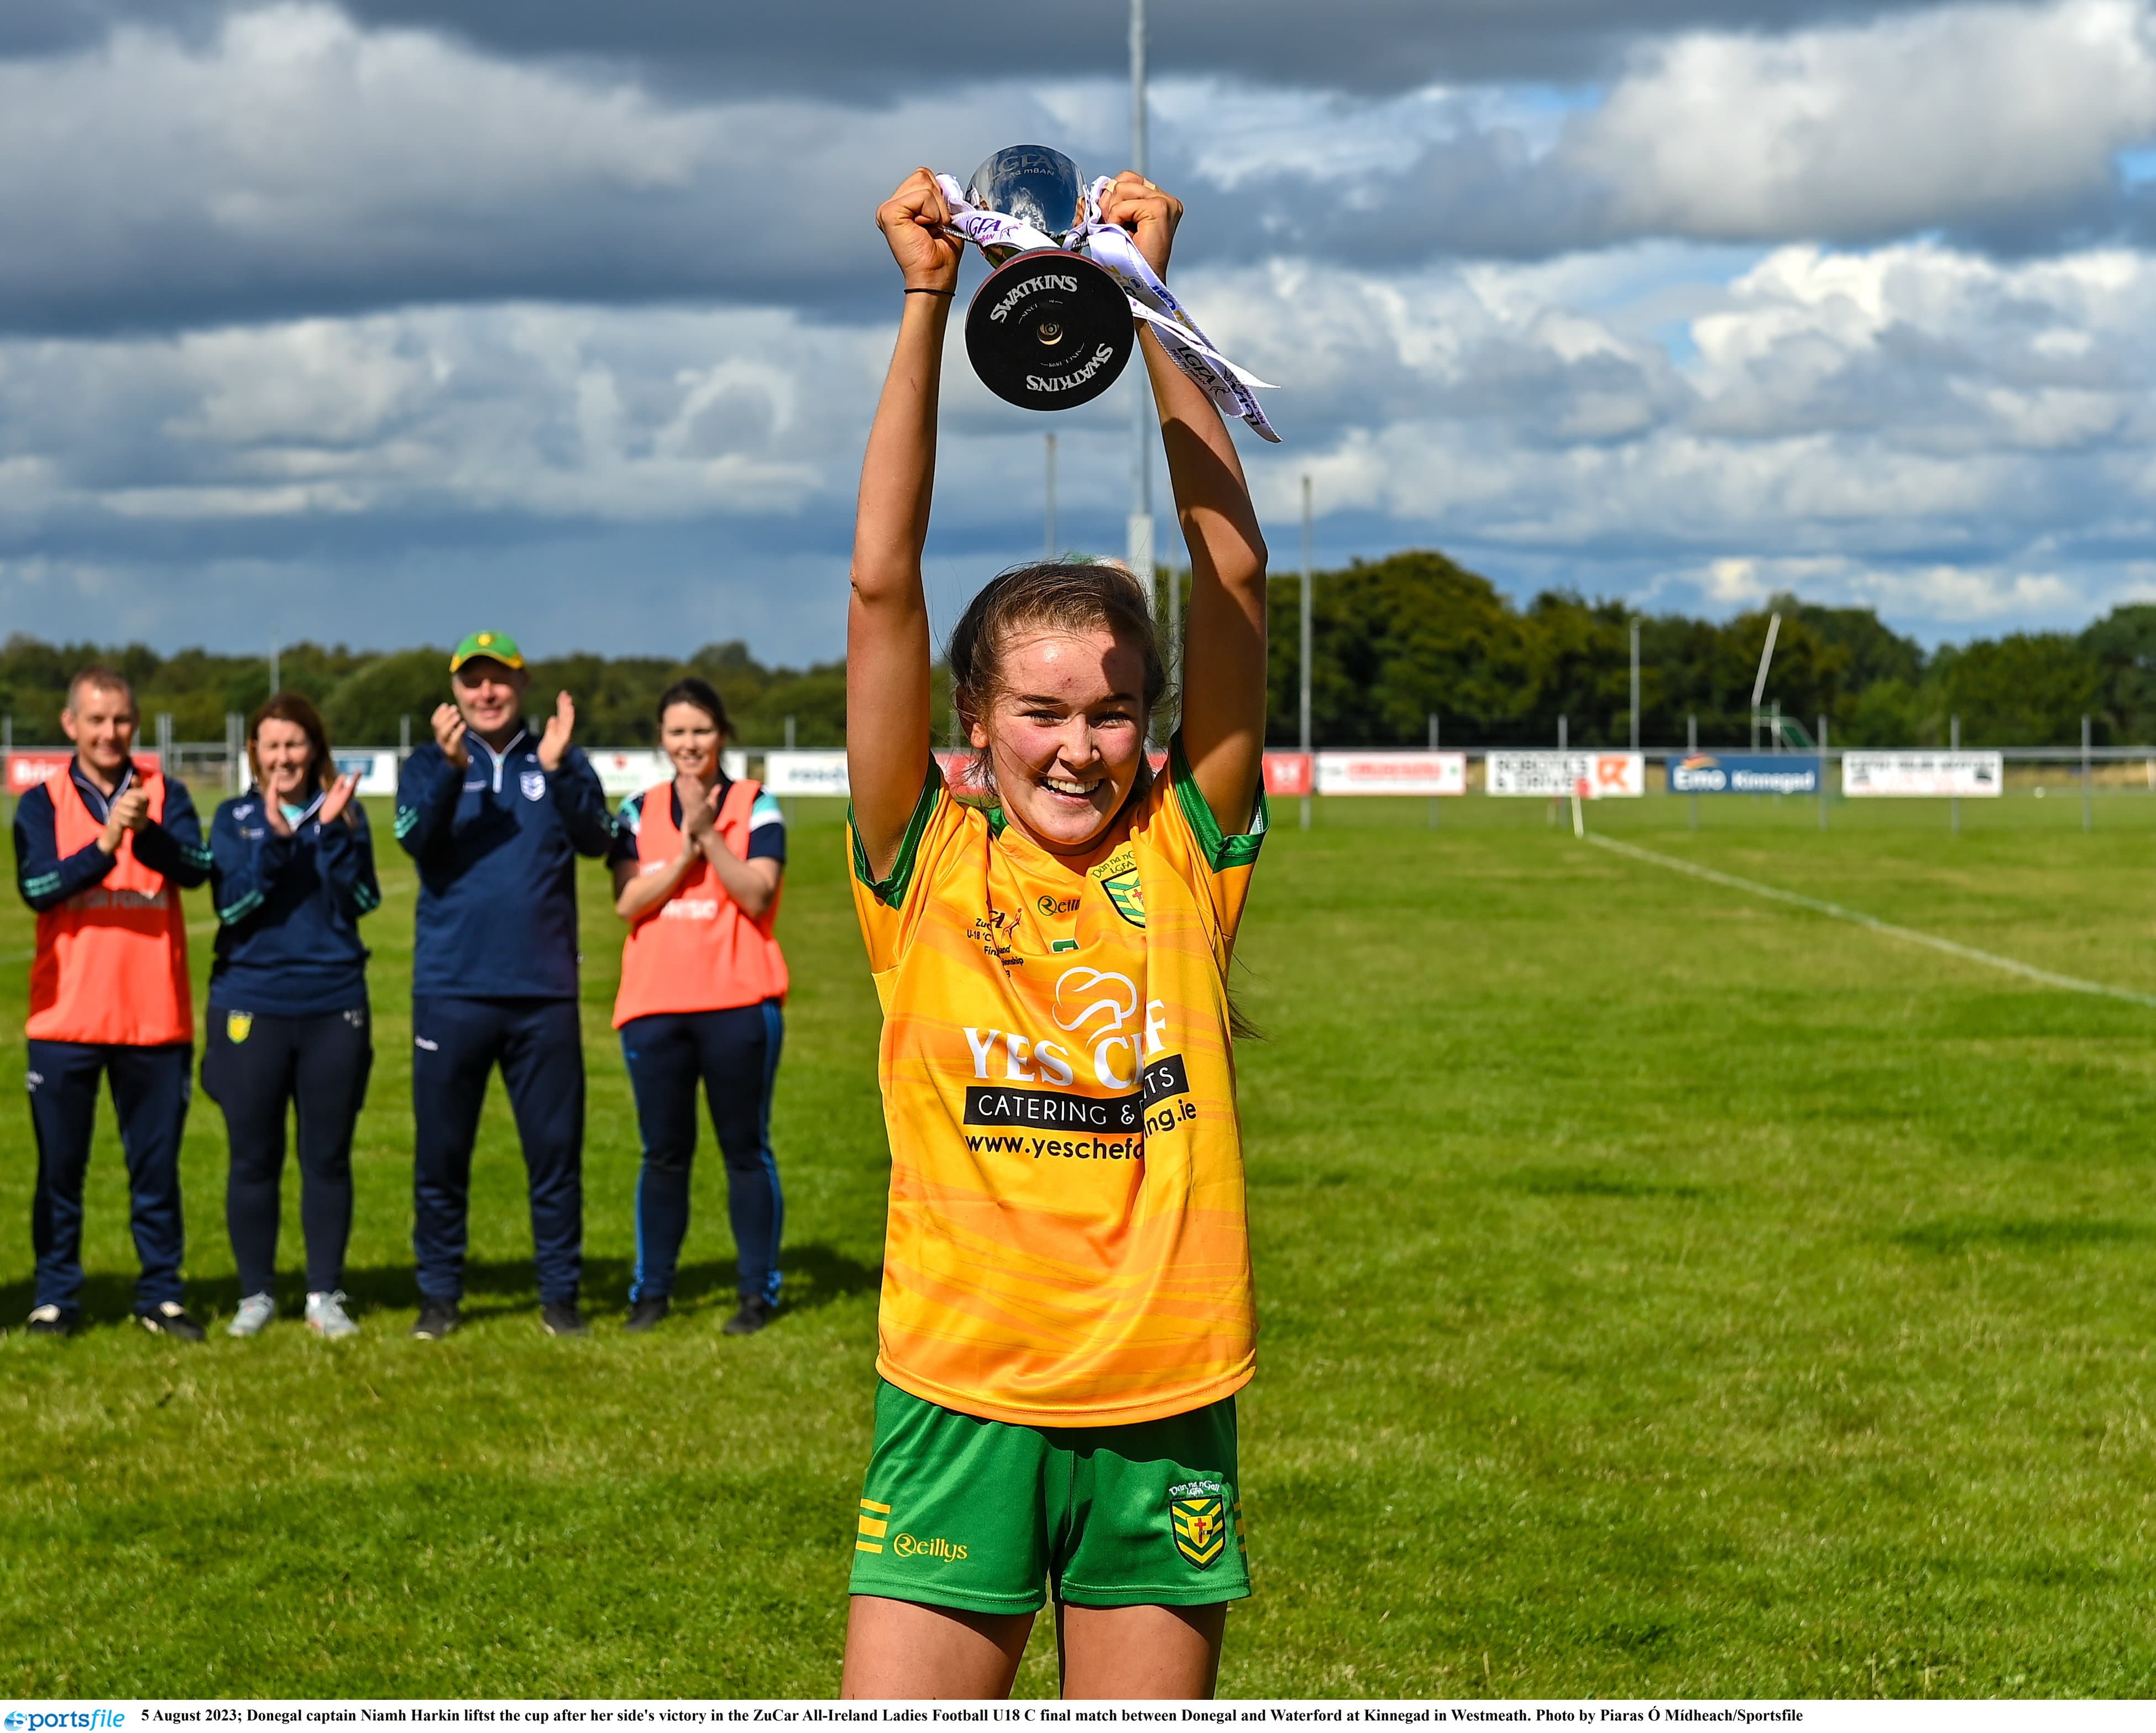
x: 887, y: 645
x: 1224, y: 658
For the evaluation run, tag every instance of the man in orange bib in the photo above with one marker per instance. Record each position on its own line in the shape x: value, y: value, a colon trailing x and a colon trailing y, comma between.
x: 102, y: 852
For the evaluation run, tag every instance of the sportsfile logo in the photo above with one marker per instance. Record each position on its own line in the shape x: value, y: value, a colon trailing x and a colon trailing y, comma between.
x: 36, y: 1720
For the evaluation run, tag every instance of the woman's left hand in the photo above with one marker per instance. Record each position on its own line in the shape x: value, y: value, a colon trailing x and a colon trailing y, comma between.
x: 1134, y: 203
x: 338, y: 800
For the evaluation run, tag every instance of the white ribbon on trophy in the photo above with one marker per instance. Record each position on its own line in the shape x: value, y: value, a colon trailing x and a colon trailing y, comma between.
x: 1152, y: 302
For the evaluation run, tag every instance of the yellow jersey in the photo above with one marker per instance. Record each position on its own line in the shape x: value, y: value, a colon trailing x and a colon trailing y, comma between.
x: 1068, y: 1241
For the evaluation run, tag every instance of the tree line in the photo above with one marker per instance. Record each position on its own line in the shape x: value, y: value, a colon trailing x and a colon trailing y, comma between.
x: 1395, y: 641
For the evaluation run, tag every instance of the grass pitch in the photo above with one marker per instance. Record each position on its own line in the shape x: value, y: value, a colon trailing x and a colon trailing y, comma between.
x: 1663, y: 1292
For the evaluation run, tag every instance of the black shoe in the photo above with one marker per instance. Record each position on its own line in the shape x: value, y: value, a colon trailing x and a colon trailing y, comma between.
x: 54, y: 1321
x: 753, y: 1315
x: 169, y: 1318
x: 646, y: 1313
x: 562, y: 1318
x: 437, y: 1318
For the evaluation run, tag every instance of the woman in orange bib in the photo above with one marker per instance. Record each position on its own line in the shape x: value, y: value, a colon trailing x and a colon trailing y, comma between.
x: 696, y: 868
x: 1066, y: 1313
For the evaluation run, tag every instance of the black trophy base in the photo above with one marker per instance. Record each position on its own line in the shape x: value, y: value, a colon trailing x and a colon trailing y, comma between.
x: 1049, y: 331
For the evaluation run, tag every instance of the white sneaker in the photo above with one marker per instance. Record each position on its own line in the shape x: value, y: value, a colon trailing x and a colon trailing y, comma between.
x: 327, y: 1318
x: 255, y: 1311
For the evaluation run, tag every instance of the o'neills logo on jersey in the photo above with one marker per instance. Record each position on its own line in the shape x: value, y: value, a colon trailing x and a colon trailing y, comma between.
x: 702, y: 908
x: 1098, y: 1011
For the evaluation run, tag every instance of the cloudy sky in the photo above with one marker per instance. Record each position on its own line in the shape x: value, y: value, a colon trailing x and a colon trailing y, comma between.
x: 371, y: 321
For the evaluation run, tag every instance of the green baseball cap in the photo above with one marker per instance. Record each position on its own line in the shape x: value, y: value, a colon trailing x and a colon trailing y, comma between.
x: 494, y: 646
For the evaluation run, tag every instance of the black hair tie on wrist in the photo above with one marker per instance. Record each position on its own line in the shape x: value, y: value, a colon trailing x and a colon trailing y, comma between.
x: 947, y: 293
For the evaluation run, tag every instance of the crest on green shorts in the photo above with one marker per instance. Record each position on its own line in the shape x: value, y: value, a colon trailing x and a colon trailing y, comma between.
x: 1197, y: 1515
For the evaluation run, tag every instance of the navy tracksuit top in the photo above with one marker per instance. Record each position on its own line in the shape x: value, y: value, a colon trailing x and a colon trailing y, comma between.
x: 288, y: 909
x: 497, y: 843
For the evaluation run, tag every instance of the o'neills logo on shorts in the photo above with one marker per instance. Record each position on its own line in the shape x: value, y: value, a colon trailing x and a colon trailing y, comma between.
x: 1070, y: 381
x: 1032, y: 286
x: 912, y: 1546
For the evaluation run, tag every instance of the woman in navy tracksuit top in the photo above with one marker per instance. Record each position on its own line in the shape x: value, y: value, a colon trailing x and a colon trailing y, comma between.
x: 292, y: 871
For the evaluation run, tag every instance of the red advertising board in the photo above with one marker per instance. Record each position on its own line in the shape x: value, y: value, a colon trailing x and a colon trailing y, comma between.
x: 26, y: 769
x: 1287, y: 772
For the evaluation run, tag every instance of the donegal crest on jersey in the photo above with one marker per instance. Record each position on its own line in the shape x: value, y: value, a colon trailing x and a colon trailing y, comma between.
x: 1067, y: 1242
x: 1117, y: 876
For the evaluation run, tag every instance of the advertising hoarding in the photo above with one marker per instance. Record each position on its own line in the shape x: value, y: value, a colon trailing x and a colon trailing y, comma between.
x: 1922, y: 776
x: 377, y: 771
x: 807, y: 772
x: 1288, y: 773
x: 1608, y: 776
x: 1744, y: 773
x: 1436, y: 773
x: 28, y: 768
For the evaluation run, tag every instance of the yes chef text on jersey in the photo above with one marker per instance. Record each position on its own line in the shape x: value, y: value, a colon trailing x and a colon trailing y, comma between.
x: 1097, y: 1013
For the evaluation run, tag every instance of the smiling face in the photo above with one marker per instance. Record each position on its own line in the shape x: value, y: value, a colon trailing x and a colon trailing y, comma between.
x: 100, y: 721
x: 691, y: 739
x: 491, y: 697
x: 285, y: 761
x: 1064, y: 733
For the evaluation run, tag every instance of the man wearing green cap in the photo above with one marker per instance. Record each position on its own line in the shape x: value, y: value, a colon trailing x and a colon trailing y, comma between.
x: 496, y: 819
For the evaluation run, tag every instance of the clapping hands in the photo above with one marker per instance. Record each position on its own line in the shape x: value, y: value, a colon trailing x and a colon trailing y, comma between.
x: 554, y: 743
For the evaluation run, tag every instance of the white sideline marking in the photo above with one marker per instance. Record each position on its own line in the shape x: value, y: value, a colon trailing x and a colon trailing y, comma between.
x: 1968, y: 953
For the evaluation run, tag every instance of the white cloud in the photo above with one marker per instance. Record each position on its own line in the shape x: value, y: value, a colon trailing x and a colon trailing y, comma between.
x: 1956, y: 115
x: 1954, y: 438
x: 1962, y: 439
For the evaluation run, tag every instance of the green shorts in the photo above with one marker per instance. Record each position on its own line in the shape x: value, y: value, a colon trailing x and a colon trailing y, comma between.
x: 978, y: 1514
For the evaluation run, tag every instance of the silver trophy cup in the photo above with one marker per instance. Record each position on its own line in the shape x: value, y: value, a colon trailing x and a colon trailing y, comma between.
x: 1048, y: 329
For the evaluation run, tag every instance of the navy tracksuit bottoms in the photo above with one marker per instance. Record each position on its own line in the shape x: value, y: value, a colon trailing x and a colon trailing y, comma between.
x: 456, y: 1044
x: 317, y: 1065
x: 150, y: 1089
x: 734, y: 1055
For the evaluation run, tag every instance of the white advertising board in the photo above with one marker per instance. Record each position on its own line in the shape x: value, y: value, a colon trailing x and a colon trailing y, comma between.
x: 632, y: 771
x: 1921, y: 776
x: 1391, y: 772
x: 806, y: 773
x: 377, y: 771
x: 622, y: 774
x: 1608, y: 776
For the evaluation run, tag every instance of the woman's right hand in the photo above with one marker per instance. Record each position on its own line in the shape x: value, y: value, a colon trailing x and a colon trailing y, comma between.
x: 914, y: 221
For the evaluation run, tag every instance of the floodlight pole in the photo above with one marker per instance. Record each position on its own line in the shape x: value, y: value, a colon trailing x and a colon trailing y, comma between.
x: 1822, y: 771
x: 1759, y: 685
x: 273, y: 669
x: 1433, y: 746
x: 1302, y: 696
x: 1953, y: 744
x: 1692, y: 746
x: 1048, y: 527
x: 1635, y: 685
x: 1139, y: 546
x: 2088, y: 814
